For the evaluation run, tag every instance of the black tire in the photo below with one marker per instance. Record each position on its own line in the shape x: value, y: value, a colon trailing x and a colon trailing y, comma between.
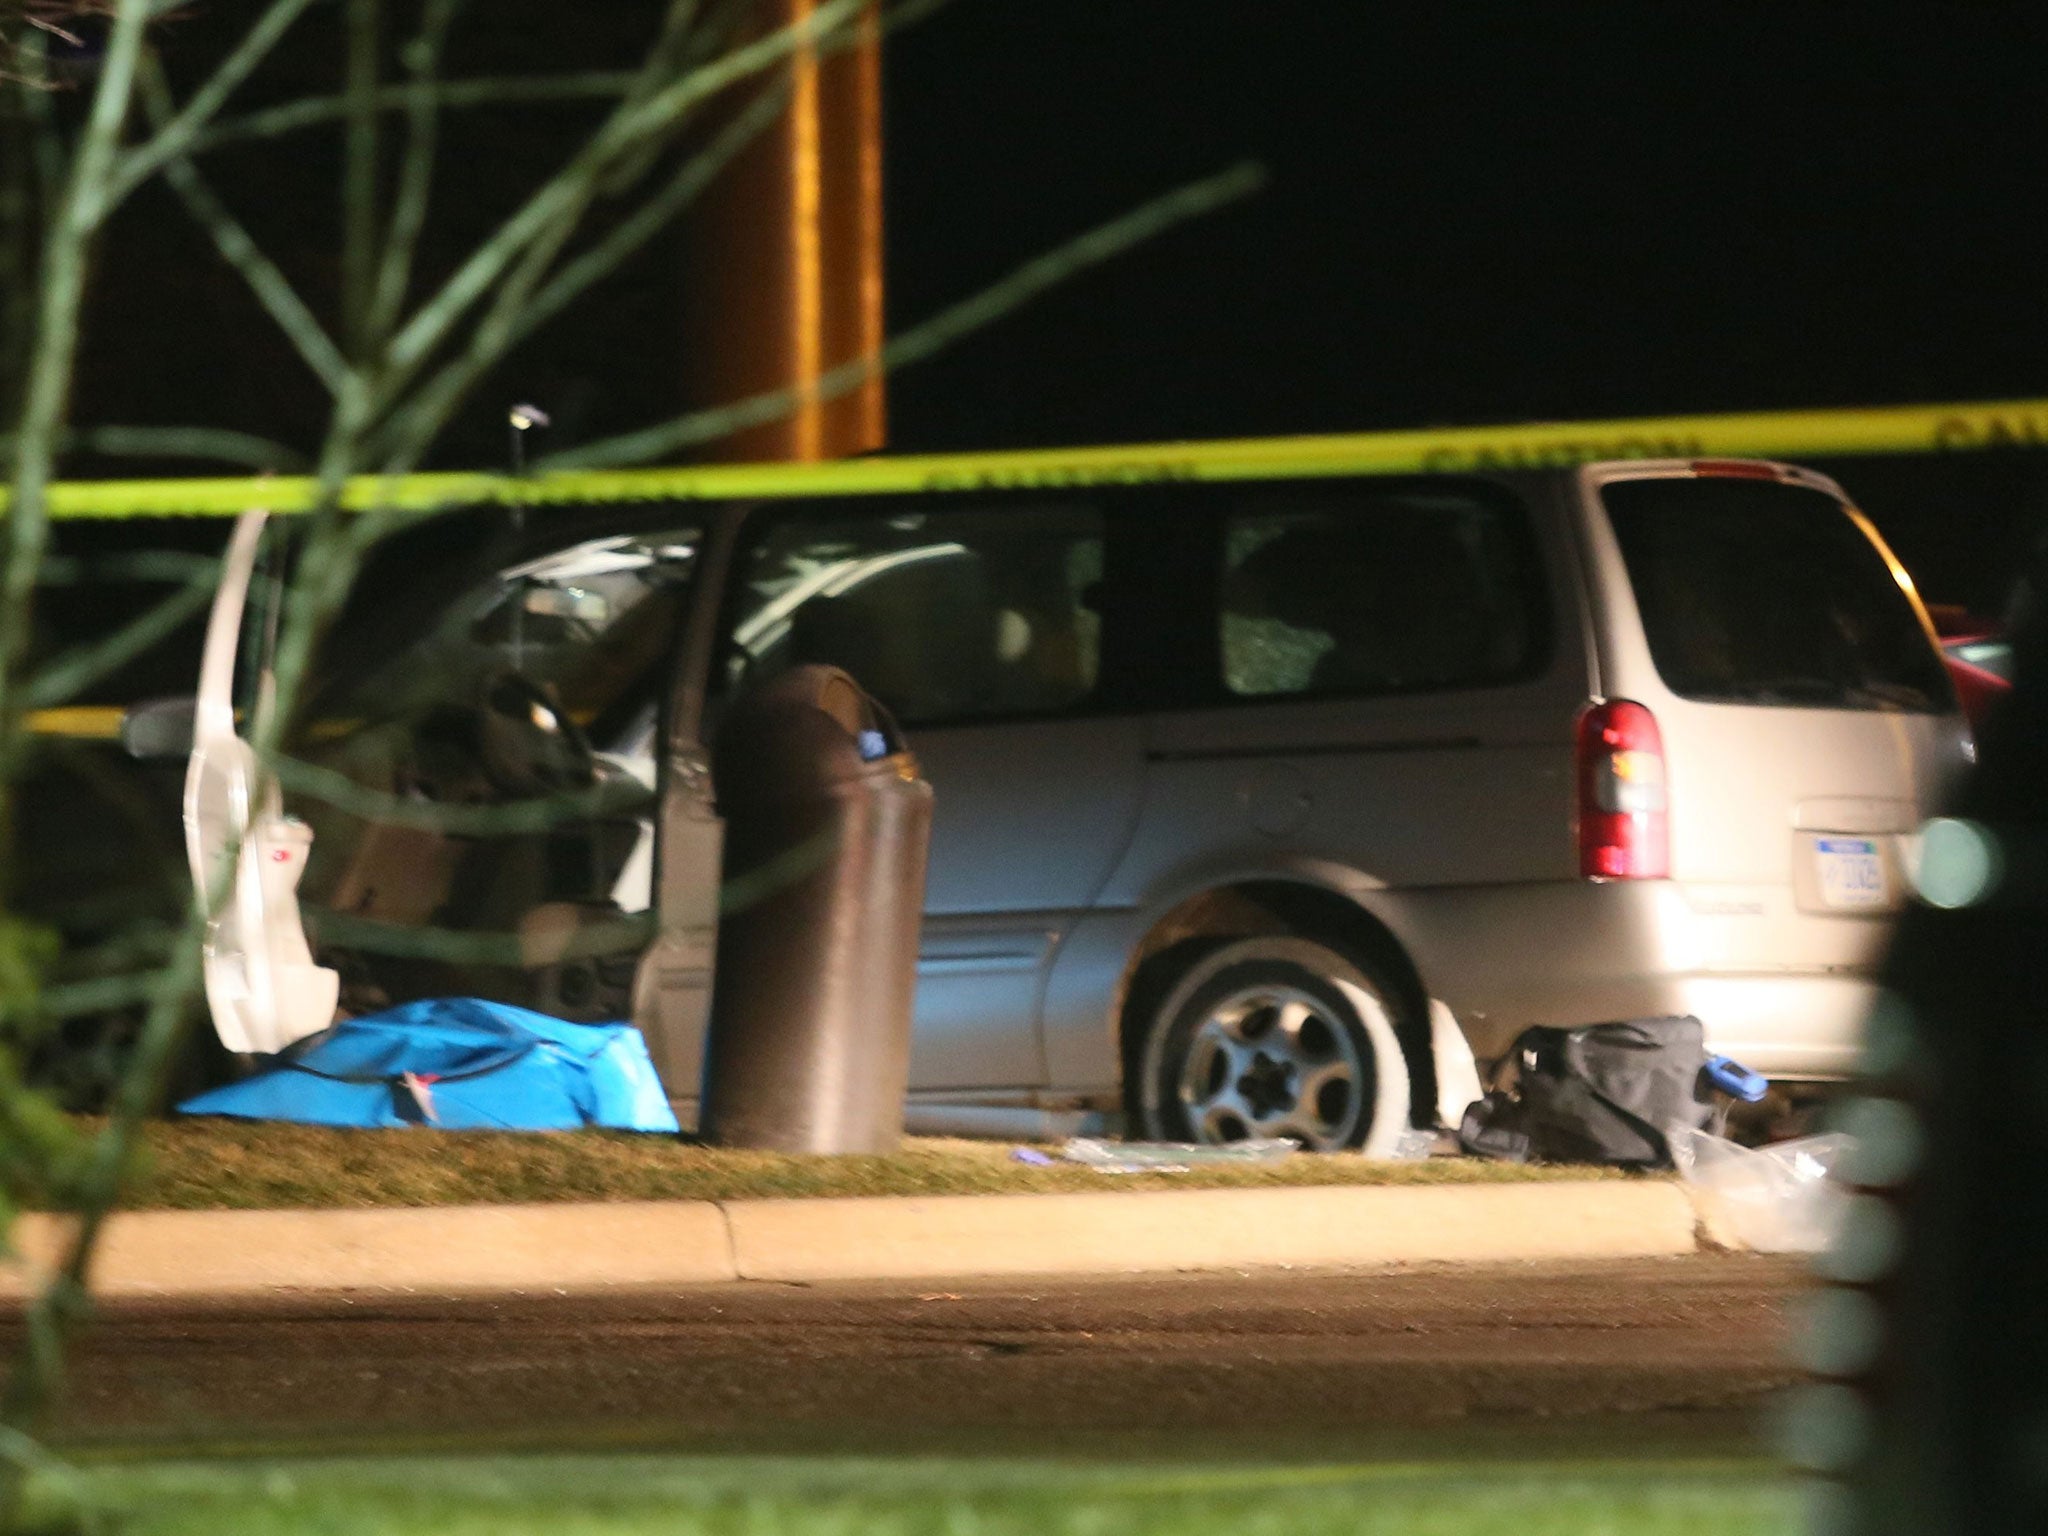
x: 1274, y: 1037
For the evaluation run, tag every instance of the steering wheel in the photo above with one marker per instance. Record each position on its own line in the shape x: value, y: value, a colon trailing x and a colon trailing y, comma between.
x: 528, y: 745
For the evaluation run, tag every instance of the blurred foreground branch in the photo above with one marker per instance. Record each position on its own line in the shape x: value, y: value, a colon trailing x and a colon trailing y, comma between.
x: 396, y: 364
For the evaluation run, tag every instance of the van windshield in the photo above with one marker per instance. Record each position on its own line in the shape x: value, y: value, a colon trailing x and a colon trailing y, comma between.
x: 1762, y: 592
x: 582, y: 633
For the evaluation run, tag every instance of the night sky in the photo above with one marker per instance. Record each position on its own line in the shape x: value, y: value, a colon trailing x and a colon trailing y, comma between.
x: 1492, y: 213
x: 1476, y: 213
x: 1556, y: 210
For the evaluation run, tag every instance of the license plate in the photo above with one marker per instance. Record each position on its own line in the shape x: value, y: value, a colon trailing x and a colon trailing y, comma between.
x: 1851, y: 873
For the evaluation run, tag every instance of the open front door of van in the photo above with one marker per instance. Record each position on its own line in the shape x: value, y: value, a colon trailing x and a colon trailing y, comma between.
x: 261, y: 984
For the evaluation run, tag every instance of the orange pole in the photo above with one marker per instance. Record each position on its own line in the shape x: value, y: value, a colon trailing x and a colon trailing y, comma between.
x: 785, y: 261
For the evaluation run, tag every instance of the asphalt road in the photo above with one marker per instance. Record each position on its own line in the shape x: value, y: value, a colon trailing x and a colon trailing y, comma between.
x: 1253, y: 1365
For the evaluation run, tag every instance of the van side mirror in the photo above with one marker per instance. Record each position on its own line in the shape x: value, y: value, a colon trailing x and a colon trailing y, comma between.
x: 159, y: 729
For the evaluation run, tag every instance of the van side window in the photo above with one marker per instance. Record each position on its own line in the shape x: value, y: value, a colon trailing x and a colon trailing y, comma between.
x: 943, y: 615
x: 1333, y: 590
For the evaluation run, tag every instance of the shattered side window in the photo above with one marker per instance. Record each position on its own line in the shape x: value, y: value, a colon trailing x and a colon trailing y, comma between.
x: 1330, y: 590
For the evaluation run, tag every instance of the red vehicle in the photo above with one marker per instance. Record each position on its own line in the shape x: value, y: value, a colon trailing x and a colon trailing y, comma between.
x: 1979, y: 658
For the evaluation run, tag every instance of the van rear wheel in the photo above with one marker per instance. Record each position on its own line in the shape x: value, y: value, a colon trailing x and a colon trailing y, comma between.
x: 1275, y: 1037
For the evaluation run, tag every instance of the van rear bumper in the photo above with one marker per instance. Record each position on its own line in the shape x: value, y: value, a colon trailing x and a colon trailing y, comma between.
x: 1580, y: 952
x: 1782, y: 1026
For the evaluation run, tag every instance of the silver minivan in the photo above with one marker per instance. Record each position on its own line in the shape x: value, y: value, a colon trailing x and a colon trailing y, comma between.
x: 1269, y: 802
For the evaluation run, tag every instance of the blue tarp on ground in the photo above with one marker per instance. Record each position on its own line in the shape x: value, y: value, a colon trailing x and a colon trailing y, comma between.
x: 459, y: 1064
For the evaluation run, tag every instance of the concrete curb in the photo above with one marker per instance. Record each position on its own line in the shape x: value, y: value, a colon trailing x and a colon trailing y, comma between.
x: 1204, y: 1229
x: 454, y: 1248
x: 588, y: 1247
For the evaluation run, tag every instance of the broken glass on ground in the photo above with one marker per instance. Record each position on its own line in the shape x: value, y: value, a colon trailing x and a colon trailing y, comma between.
x: 1171, y: 1156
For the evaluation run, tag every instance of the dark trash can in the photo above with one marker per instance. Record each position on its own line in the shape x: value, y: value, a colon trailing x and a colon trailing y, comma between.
x: 827, y: 825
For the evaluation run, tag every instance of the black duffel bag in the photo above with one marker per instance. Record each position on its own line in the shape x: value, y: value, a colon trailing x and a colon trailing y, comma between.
x: 1601, y: 1093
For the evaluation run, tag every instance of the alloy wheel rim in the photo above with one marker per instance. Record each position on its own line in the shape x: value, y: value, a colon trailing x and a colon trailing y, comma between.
x: 1271, y: 1061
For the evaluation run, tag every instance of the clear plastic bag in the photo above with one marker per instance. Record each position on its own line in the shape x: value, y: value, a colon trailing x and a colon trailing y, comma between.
x: 1412, y: 1146
x: 1773, y: 1199
x: 1170, y: 1156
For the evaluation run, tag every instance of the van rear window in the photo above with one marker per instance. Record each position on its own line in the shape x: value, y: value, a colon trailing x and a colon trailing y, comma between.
x: 1761, y: 592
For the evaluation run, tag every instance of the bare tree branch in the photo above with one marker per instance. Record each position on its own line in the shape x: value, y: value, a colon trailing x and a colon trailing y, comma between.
x: 672, y: 54
x: 318, y: 111
x: 517, y: 311
x: 24, y: 117
x: 174, y: 140
x: 217, y: 443
x: 66, y: 675
x: 49, y: 143
x: 239, y: 249
x: 67, y: 248
x: 137, y: 565
x: 333, y: 543
x: 100, y: 994
x: 56, y: 347
x: 610, y: 936
x: 623, y: 133
x: 525, y: 272
x: 63, y: 1301
x: 362, y: 24
x: 922, y: 341
x: 416, y: 173
x: 499, y: 820
x: 513, y: 292
x: 438, y: 398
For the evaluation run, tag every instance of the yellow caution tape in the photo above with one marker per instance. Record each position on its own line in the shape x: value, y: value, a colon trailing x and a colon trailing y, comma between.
x: 1749, y: 434
x: 87, y: 722
x: 1758, y: 434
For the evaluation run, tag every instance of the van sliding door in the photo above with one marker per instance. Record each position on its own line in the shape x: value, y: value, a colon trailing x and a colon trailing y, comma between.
x: 975, y: 620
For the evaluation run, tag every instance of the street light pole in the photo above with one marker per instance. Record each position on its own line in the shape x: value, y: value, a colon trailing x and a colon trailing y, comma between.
x: 522, y: 419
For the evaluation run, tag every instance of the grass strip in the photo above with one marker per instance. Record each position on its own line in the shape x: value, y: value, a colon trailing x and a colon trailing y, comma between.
x: 207, y: 1164
x: 791, y: 1496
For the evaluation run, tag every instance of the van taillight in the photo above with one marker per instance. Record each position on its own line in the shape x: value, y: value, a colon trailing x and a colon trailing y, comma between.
x: 1624, y: 833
